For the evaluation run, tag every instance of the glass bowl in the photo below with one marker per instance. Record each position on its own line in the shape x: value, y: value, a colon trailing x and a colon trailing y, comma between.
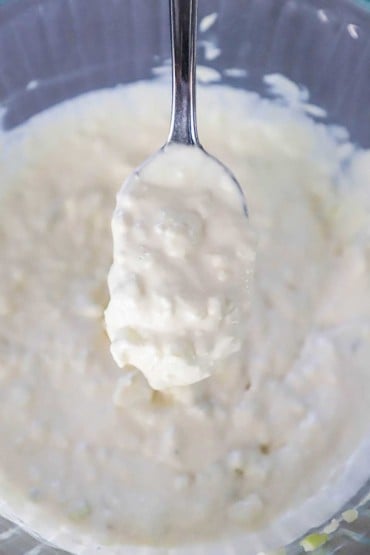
x: 51, y: 50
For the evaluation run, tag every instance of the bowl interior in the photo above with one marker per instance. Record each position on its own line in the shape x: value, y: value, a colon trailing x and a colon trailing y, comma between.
x: 52, y: 50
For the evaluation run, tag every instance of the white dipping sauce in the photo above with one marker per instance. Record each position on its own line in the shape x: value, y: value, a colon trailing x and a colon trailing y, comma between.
x: 183, y: 256
x: 89, y: 448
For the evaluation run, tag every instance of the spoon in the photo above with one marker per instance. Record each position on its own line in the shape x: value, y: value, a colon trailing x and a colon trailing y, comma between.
x: 183, y: 250
x: 183, y: 129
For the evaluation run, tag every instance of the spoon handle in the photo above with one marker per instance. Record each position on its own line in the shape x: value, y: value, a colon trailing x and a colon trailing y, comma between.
x: 183, y: 19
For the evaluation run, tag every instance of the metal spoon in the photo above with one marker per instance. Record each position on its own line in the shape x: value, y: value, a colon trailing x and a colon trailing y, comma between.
x: 182, y: 247
x: 183, y: 129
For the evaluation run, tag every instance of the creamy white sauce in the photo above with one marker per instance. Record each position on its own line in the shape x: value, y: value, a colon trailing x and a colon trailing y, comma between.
x: 88, y: 449
x: 182, y: 262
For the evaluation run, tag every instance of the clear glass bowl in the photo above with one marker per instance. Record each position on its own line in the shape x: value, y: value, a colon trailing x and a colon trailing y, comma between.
x: 51, y: 50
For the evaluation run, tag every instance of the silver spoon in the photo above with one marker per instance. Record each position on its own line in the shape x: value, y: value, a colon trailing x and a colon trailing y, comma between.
x: 183, y: 129
x: 182, y: 247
